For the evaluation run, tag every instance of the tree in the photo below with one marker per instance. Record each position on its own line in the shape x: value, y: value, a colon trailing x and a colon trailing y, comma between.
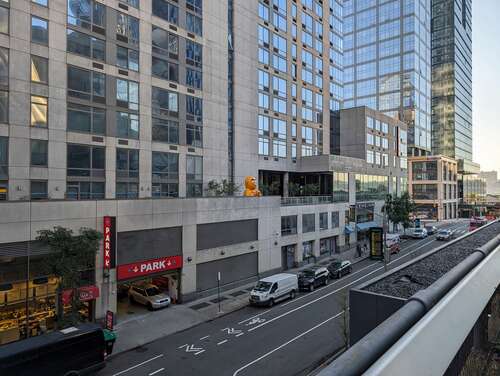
x: 224, y: 188
x: 398, y: 209
x: 70, y: 257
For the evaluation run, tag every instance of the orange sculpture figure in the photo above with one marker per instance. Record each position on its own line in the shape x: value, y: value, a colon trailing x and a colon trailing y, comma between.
x: 251, y: 188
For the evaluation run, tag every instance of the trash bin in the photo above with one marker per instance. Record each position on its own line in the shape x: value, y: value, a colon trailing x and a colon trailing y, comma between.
x: 109, y: 340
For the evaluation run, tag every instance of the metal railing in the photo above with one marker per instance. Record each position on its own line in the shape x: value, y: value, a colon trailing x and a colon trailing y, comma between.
x: 306, y: 200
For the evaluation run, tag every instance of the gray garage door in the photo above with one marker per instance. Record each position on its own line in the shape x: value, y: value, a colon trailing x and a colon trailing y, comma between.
x: 232, y: 269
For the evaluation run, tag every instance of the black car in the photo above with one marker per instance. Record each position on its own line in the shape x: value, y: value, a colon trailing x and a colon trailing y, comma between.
x: 313, y: 277
x: 339, y: 268
x: 431, y: 230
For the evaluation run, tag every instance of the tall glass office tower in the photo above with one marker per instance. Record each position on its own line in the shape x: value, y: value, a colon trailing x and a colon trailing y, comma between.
x: 452, y: 78
x: 387, y: 63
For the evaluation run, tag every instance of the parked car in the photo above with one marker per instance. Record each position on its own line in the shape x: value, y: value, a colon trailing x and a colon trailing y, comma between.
x: 444, y: 235
x: 311, y: 278
x: 148, y: 295
x: 419, y: 233
x: 339, y: 268
x: 431, y: 230
x: 274, y: 288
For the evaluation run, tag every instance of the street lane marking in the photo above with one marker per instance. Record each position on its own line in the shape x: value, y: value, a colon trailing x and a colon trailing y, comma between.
x: 231, y: 330
x: 313, y: 301
x: 261, y: 313
x: 202, y: 338
x: 199, y: 352
x: 155, y: 372
x: 286, y: 343
x: 180, y: 347
x: 222, y: 342
x: 237, y: 335
x: 138, y: 365
x: 191, y: 348
x: 254, y: 321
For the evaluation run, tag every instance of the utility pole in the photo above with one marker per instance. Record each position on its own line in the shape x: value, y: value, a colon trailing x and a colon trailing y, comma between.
x: 386, y: 228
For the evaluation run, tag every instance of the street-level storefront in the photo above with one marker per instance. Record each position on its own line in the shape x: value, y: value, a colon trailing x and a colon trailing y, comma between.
x: 36, y: 295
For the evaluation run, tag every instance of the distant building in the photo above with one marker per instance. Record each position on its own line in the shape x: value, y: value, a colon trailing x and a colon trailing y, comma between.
x: 492, y: 183
x: 433, y: 186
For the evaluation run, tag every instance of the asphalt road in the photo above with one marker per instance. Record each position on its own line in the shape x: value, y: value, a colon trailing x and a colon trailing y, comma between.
x: 291, y: 338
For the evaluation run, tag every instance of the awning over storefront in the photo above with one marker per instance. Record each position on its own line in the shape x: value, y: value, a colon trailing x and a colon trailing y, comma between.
x: 366, y: 226
x: 348, y: 229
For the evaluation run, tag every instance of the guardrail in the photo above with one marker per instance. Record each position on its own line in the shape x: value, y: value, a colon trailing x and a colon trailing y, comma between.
x: 306, y: 200
x: 366, y: 352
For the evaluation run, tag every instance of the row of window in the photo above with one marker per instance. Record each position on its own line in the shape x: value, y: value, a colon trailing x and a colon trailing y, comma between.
x: 289, y: 223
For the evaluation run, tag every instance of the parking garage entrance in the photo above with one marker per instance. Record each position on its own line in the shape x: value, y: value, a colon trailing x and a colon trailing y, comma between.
x: 153, y: 280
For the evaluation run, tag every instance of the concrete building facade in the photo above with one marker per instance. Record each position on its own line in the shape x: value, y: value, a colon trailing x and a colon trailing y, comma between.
x: 433, y: 186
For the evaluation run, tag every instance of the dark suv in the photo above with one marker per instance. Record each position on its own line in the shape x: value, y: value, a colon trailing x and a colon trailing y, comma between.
x: 313, y: 277
x: 339, y: 268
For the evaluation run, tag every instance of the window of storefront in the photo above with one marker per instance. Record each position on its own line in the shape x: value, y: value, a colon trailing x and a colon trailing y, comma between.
x: 288, y: 225
x: 323, y: 221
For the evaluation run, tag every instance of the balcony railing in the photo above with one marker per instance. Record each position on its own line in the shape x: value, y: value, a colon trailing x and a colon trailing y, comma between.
x: 306, y: 200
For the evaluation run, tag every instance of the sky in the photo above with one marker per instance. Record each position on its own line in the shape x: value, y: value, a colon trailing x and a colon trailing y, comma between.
x: 486, y: 83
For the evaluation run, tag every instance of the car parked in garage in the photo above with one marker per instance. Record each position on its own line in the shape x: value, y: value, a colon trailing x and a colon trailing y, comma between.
x: 148, y: 295
x: 311, y: 278
x: 339, y: 268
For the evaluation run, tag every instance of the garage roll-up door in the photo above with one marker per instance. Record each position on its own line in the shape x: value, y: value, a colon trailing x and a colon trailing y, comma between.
x: 232, y: 269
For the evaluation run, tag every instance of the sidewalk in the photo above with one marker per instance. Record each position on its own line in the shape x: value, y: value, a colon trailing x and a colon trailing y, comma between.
x: 142, y: 329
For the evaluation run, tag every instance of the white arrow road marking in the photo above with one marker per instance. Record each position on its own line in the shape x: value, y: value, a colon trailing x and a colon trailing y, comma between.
x: 138, y: 365
x: 155, y: 372
x: 231, y: 330
x: 286, y: 343
x: 191, y: 348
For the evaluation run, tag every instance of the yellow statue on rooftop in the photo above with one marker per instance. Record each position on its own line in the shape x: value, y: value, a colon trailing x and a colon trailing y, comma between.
x: 251, y: 188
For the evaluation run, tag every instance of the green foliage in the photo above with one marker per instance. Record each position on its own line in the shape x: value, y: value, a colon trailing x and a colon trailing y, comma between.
x: 273, y: 189
x: 398, y: 209
x: 224, y: 188
x: 70, y: 256
x: 295, y: 189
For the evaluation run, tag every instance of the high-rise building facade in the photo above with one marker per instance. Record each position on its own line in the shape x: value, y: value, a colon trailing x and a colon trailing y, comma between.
x: 452, y: 79
x: 387, y: 63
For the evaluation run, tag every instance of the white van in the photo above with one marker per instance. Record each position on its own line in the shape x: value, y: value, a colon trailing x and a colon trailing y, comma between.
x: 274, y: 288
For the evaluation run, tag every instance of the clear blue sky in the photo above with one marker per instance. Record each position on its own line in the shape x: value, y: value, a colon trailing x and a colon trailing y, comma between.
x: 486, y: 83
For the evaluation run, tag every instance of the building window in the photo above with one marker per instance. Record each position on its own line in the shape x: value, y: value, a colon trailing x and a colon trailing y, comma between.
x: 132, y: 3
x: 85, y: 45
x: 86, y: 85
x: 39, y: 31
x: 194, y: 135
x: 4, y: 167
x: 88, y: 14
x: 288, y: 225
x: 193, y: 78
x: 164, y: 69
x: 39, y: 69
x: 195, y: 6
x: 323, y: 221
x: 194, y: 176
x: 86, y: 119
x: 4, y: 19
x: 194, y: 108
x: 308, y: 223
x: 127, y: 28
x: 39, y: 153
x: 127, y: 58
x: 85, y: 172
x: 371, y: 187
x: 39, y: 111
x: 127, y: 94
x: 165, y: 43
x: 335, y: 219
x: 165, y: 131
x: 165, y: 174
x: 127, y: 125
x: 127, y: 173
x: 4, y: 106
x: 39, y: 190
x: 194, y: 24
x: 166, y: 11
x: 164, y: 102
x: 193, y: 54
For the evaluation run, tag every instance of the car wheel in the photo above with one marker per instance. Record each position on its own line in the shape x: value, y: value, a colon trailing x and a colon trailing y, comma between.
x: 150, y: 307
x: 311, y: 287
x: 292, y: 294
x: 326, y: 282
x: 271, y: 303
x: 349, y: 270
x: 339, y: 275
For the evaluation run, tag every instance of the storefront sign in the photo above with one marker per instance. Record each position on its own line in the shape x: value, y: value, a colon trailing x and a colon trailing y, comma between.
x: 109, y: 242
x: 376, y: 243
x: 66, y: 296
x: 88, y: 293
x: 109, y: 320
x: 138, y: 269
